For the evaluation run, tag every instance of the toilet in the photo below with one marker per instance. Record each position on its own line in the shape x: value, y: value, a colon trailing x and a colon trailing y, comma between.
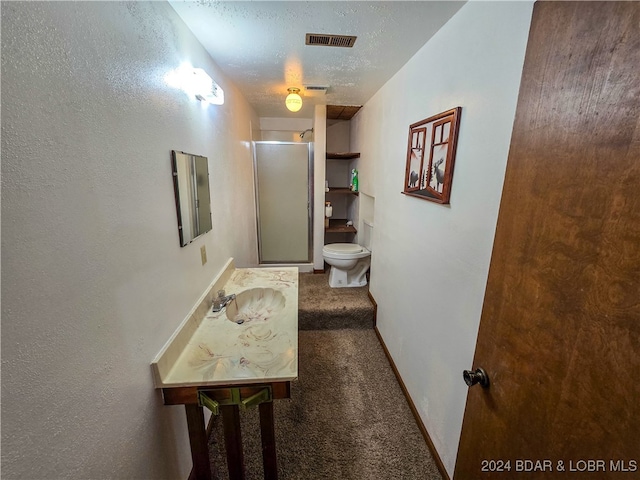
x: 349, y: 261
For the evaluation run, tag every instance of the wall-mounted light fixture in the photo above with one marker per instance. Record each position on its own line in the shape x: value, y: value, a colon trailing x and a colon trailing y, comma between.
x: 206, y: 89
x: 293, y: 100
x: 196, y: 83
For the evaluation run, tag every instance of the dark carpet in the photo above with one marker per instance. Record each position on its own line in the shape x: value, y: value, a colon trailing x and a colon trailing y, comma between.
x: 347, y: 417
x: 321, y: 307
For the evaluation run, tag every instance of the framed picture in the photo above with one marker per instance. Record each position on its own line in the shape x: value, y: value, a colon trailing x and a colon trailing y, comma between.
x: 430, y: 156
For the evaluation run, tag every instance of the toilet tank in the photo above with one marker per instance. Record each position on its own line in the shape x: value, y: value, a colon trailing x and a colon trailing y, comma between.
x: 367, y: 231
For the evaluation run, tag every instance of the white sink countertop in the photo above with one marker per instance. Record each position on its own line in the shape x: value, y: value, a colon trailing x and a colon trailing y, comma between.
x: 217, y: 351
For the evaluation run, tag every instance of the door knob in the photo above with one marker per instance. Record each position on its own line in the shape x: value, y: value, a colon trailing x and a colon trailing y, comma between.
x: 479, y: 376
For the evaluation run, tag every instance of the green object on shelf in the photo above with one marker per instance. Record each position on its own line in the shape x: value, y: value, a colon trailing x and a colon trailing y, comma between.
x: 354, y: 180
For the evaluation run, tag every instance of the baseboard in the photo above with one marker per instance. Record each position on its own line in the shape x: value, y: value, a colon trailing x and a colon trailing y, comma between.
x: 414, y: 410
x: 375, y: 310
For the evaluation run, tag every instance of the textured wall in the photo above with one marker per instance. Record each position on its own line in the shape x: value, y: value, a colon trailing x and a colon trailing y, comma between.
x: 93, y: 278
x: 430, y: 262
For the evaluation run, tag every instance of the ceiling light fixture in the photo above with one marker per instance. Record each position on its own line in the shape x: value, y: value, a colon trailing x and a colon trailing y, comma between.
x: 293, y: 101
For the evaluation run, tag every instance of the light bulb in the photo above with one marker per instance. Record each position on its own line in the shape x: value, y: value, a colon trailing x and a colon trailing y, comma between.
x: 293, y: 101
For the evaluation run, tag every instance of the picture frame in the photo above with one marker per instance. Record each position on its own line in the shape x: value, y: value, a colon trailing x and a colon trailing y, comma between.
x: 431, y: 154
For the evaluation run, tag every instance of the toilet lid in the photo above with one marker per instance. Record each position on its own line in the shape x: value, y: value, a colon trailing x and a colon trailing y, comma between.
x: 343, y: 248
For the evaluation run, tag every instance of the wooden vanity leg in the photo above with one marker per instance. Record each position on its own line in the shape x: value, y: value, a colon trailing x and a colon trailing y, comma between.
x: 268, y: 434
x: 198, y: 442
x: 233, y: 441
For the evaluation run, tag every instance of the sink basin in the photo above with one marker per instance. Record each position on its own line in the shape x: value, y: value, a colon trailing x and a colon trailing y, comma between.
x: 255, y: 305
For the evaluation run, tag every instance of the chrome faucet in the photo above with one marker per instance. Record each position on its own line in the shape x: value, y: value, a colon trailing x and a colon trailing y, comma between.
x: 222, y: 301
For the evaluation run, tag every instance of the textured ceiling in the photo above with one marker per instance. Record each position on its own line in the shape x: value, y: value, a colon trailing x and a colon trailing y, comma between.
x: 260, y: 45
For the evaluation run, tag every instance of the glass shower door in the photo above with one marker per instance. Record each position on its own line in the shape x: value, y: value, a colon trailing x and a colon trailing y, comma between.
x: 283, y: 196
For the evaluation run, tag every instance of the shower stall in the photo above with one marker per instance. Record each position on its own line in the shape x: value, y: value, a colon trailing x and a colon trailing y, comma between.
x: 283, y: 174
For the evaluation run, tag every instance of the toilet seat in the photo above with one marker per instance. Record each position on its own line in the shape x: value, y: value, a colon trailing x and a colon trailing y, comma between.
x: 344, y: 250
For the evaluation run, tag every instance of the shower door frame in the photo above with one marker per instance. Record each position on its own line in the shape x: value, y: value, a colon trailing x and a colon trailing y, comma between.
x: 310, y: 200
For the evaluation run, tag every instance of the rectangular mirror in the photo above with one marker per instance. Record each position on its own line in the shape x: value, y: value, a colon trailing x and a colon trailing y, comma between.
x: 191, y: 185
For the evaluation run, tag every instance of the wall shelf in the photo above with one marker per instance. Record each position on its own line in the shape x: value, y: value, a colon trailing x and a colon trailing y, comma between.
x: 343, y: 156
x: 343, y: 198
x: 342, y: 190
x: 339, y: 225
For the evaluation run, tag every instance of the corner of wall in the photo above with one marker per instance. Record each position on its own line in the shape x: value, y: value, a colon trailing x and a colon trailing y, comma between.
x: 320, y: 153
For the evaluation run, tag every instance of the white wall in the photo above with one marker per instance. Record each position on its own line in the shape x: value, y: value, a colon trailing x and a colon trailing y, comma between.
x: 282, y: 129
x: 94, y: 279
x: 338, y: 172
x: 430, y: 262
x: 285, y: 123
x: 319, y: 172
x: 338, y: 136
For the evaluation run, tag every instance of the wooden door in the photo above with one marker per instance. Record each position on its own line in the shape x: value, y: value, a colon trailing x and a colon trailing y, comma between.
x: 560, y: 329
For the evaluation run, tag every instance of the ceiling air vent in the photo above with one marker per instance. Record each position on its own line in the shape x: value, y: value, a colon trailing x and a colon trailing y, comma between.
x: 316, y: 89
x: 330, y: 40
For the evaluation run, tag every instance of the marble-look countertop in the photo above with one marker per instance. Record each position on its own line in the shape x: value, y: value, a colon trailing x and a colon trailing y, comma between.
x: 262, y: 349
